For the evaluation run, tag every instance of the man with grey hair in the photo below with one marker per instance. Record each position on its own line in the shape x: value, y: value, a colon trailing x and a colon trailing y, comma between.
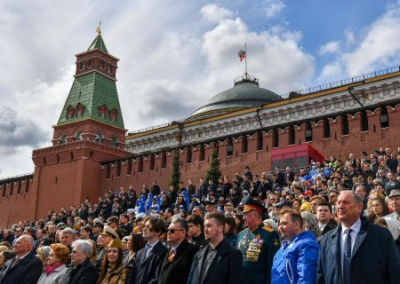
x: 83, y: 271
x: 25, y: 267
x: 348, y: 252
x: 176, y: 265
x: 67, y: 236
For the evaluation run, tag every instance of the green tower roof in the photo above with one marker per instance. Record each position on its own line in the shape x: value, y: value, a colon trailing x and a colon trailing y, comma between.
x: 99, y: 44
x: 93, y: 91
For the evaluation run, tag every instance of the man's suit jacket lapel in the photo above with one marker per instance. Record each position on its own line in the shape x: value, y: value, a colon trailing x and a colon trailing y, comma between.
x: 154, y: 251
x: 359, y: 238
x: 179, y: 251
x: 336, y: 247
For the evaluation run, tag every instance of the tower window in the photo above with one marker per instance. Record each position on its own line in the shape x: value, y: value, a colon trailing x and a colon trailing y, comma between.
x: 113, y: 115
x: 129, y: 167
x: 103, y: 111
x: 114, y: 141
x: 89, y: 63
x: 70, y: 112
x: 81, y: 65
x: 62, y: 139
x: 101, y: 64
x: 78, y: 136
x: 80, y: 109
x: 99, y: 137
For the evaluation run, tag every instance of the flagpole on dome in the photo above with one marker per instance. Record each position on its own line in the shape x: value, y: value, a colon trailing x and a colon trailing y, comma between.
x: 245, y: 59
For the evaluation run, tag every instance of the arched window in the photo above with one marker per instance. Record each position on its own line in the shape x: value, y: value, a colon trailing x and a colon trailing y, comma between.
x: 113, y: 115
x: 99, y: 137
x: 62, y: 139
x: 114, y: 141
x: 70, y: 112
x: 78, y: 136
x: 80, y: 109
x: 103, y: 111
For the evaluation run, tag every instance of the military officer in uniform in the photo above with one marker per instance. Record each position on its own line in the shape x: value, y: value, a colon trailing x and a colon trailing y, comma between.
x: 258, y: 244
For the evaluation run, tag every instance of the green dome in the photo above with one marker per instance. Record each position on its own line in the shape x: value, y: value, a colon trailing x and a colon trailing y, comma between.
x: 246, y: 93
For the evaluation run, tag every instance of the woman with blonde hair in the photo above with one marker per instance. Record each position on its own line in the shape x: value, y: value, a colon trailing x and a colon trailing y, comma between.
x: 56, y: 269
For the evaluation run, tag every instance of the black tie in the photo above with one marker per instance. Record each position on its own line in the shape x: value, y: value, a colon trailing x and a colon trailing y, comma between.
x: 347, y: 259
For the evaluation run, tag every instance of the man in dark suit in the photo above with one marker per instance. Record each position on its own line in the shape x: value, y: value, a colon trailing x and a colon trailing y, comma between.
x: 218, y: 262
x: 357, y: 252
x: 148, y: 259
x: 25, y: 267
x: 176, y: 265
x: 82, y: 271
x: 325, y: 218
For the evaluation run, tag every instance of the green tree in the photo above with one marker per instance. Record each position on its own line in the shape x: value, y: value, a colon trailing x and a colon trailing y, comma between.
x: 214, y: 172
x: 176, y: 171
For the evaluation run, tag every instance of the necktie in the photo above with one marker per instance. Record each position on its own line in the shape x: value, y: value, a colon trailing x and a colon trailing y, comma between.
x: 347, y: 259
x: 171, y: 255
x: 148, y: 250
x: 15, y: 261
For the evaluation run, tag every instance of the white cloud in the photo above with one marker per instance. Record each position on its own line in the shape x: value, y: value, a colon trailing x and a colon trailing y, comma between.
x: 378, y: 47
x: 213, y: 13
x: 273, y: 8
x: 329, y: 48
x: 350, y: 38
x: 330, y: 72
x: 172, y: 61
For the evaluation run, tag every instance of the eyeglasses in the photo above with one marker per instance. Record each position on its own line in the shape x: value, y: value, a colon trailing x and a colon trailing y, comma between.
x: 172, y: 231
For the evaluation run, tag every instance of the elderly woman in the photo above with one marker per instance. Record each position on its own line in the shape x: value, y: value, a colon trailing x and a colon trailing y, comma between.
x: 56, y: 269
x: 113, y: 271
x: 43, y: 253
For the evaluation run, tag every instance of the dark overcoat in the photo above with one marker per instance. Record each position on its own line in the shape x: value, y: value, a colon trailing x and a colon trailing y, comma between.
x: 176, y: 270
x: 145, y: 270
x: 374, y: 259
x: 226, y: 267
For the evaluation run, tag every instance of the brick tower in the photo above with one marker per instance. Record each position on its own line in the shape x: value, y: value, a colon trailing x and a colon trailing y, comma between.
x: 90, y: 130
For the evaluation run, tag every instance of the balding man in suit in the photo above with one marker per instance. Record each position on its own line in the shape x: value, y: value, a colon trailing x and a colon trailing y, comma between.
x: 25, y: 267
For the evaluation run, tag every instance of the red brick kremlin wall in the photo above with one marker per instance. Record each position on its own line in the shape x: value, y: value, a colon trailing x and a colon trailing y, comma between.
x: 63, y: 180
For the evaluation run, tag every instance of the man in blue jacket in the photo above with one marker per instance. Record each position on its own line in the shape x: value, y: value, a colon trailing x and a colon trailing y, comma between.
x: 296, y: 261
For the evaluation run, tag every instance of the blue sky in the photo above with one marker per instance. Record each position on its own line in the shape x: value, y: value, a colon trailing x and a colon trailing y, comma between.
x: 175, y: 55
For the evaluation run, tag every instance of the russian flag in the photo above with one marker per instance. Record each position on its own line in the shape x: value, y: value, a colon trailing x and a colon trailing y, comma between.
x: 242, y: 54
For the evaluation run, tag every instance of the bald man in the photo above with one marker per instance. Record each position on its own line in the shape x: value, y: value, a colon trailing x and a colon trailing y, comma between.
x: 25, y: 267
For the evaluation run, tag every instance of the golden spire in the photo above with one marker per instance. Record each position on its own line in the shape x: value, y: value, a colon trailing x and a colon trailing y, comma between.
x: 98, y: 29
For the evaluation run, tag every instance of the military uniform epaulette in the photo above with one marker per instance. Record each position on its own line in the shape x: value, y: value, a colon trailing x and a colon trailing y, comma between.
x: 268, y: 229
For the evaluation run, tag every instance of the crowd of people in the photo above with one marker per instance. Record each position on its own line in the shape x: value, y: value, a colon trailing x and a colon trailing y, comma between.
x: 337, y: 221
